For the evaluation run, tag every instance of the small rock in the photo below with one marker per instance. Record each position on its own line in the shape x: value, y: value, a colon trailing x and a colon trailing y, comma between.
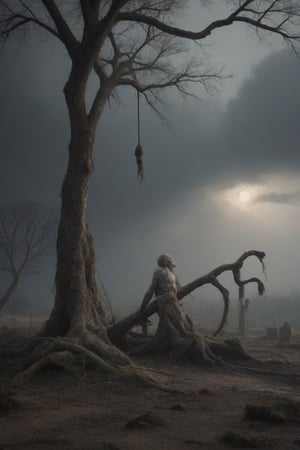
x: 197, y: 442
x: 147, y: 420
x: 7, y: 400
x: 265, y: 413
x: 261, y: 412
x: 204, y: 391
x: 109, y: 446
x: 177, y: 407
x: 238, y: 440
x: 278, y: 417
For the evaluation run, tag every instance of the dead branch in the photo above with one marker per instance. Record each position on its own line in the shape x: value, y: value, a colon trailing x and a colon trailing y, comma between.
x: 119, y: 329
x: 277, y: 17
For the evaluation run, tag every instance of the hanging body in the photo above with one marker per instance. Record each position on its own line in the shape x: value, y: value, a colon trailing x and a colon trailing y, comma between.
x: 139, y: 152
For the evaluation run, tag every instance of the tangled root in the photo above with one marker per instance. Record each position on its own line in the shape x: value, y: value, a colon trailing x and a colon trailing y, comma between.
x: 177, y: 337
x: 67, y: 354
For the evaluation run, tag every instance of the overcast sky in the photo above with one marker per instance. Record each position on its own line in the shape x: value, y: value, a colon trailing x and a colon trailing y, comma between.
x: 244, y: 138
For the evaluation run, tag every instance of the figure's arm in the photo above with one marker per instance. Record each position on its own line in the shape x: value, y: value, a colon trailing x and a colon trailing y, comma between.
x: 148, y: 295
x: 178, y: 285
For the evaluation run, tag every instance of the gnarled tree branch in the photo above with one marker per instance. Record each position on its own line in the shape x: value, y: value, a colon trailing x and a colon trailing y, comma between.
x: 261, y: 15
x: 120, y: 328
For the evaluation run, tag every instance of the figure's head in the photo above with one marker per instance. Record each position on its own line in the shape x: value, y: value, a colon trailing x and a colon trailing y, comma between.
x: 166, y: 260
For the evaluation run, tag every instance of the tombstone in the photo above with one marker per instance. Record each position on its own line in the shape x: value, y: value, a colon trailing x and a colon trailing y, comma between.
x: 285, y: 334
x: 272, y: 333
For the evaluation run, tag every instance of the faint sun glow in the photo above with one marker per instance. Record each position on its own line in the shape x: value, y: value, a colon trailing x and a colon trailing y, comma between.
x: 244, y: 196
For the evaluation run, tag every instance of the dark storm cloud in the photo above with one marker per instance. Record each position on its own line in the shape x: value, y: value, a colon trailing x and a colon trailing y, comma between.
x: 33, y: 125
x: 258, y: 133
x: 260, y: 129
x: 275, y: 197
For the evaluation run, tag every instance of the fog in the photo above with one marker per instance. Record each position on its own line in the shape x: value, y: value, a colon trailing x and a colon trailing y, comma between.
x: 245, y: 137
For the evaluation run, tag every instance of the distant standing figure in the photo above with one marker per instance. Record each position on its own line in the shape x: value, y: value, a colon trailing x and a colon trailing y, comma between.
x: 244, y: 305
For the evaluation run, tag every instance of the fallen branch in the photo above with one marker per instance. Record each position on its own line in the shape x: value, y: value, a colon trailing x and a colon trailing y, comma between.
x: 119, y: 329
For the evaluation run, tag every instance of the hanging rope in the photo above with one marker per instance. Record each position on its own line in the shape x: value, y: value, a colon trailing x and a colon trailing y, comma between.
x: 138, y: 118
x: 139, y: 149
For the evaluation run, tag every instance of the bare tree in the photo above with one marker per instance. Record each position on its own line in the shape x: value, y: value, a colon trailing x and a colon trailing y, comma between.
x: 132, y: 43
x: 26, y: 236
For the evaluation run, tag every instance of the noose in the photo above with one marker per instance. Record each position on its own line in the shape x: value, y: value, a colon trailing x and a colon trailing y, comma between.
x: 139, y: 149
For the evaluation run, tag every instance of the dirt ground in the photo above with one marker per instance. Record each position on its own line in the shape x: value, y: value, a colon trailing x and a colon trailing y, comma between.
x: 207, y: 410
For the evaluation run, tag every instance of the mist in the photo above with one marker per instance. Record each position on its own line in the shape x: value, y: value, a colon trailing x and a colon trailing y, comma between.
x: 195, y: 166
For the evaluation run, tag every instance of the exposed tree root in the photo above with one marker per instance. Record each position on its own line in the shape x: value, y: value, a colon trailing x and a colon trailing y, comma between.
x: 104, y: 349
x: 174, y: 338
x: 230, y: 349
x: 64, y: 353
x: 88, y: 342
x: 175, y: 335
x: 67, y: 354
x: 64, y: 359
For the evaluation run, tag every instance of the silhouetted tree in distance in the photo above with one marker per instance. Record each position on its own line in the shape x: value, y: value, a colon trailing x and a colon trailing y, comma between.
x: 27, y: 233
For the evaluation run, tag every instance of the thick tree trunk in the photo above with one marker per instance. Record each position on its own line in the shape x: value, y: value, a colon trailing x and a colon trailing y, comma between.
x: 77, y: 301
x: 78, y: 313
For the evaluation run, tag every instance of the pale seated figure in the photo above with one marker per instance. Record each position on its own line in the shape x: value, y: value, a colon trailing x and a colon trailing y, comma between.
x: 164, y: 287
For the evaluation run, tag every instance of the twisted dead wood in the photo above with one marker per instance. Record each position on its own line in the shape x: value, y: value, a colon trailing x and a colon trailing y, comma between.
x: 119, y: 329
